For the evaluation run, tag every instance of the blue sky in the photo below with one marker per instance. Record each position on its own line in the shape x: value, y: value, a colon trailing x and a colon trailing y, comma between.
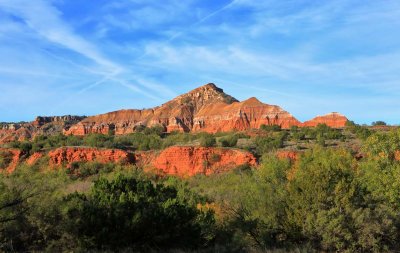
x: 310, y: 57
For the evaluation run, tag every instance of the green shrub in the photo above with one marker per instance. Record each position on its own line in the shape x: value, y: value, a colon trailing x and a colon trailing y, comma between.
x: 267, y: 144
x: 147, y: 216
x: 207, y: 140
x: 273, y: 128
x: 99, y: 140
x: 229, y: 141
x: 157, y: 130
x: 5, y: 159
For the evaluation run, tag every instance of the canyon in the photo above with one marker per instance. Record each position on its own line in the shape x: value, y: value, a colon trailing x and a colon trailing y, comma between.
x: 204, y: 109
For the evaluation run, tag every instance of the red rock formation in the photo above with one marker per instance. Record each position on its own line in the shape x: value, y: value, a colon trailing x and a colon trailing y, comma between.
x: 240, y: 116
x: 206, y: 108
x: 334, y: 119
x: 34, y: 158
x: 175, y: 115
x: 288, y: 154
x: 182, y: 161
x: 68, y: 155
x: 189, y: 161
x: 16, y: 155
x: 397, y: 155
x: 40, y: 126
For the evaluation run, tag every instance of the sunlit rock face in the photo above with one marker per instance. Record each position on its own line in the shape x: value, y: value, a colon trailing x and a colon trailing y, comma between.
x: 334, y: 119
x: 187, y: 161
x: 40, y: 126
x: 182, y: 161
x: 205, y: 109
x: 67, y: 155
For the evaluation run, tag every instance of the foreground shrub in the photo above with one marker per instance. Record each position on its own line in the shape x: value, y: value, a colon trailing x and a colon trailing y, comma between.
x: 135, y: 213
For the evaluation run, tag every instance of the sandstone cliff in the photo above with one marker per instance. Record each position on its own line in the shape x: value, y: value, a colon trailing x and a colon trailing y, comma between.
x: 206, y: 108
x: 181, y: 161
x: 40, y: 126
x: 68, y: 155
x: 189, y: 161
x: 334, y: 119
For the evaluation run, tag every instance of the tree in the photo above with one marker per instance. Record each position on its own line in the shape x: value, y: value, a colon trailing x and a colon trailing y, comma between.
x: 329, y: 206
x: 135, y: 213
x: 379, y: 123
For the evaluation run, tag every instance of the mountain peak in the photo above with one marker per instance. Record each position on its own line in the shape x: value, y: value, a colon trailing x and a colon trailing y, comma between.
x: 206, y: 94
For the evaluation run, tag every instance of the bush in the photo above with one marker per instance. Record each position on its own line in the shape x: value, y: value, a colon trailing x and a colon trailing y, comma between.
x: 267, y: 144
x: 5, y: 159
x: 138, y: 141
x: 85, y: 169
x: 147, y: 216
x: 273, y: 128
x: 207, y: 140
x: 157, y: 130
x: 99, y: 140
x: 228, y: 141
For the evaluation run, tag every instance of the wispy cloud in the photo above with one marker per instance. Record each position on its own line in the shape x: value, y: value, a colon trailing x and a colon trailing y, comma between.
x: 307, y: 56
x: 45, y: 19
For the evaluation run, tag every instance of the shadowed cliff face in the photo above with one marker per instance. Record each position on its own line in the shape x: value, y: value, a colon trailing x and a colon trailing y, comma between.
x: 206, y: 108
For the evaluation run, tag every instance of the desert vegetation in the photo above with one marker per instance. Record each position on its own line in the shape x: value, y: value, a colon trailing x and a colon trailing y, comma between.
x: 339, y: 195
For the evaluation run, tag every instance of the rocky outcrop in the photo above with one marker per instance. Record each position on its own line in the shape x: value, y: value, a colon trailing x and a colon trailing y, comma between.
x: 40, y: 126
x: 206, y: 108
x: 42, y: 120
x: 175, y: 115
x: 186, y: 161
x: 183, y: 161
x: 34, y: 158
x: 288, y: 154
x: 68, y: 155
x: 11, y: 158
x: 397, y: 155
x: 334, y: 119
x: 240, y: 116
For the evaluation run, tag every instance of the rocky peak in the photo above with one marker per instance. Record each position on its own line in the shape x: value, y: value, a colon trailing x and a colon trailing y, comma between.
x: 204, y: 95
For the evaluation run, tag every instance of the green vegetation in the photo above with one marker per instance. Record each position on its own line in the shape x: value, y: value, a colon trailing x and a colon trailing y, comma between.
x: 329, y: 200
x: 207, y: 140
x: 5, y: 159
x: 379, y: 123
